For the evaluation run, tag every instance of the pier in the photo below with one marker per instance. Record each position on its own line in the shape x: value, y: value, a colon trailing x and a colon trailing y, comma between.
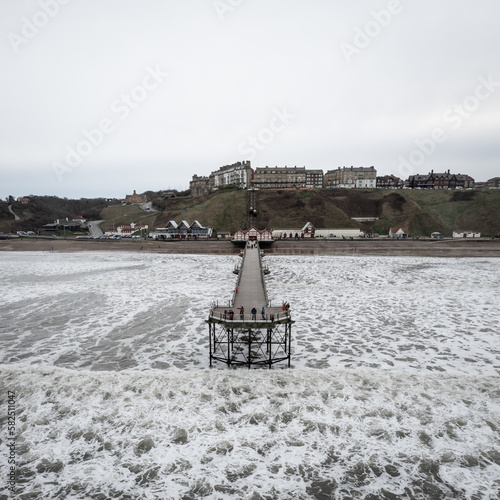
x: 239, y: 336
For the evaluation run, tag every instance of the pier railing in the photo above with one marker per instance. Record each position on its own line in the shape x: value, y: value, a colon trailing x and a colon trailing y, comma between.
x: 262, y: 276
x: 266, y: 318
x: 248, y: 338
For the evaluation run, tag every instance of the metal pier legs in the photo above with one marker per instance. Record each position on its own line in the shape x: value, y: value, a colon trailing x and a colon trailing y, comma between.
x: 230, y: 340
x: 249, y: 349
x: 289, y: 328
x: 269, y: 346
x: 210, y: 337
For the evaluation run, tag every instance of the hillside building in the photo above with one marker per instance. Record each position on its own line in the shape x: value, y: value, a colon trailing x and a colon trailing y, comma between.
x: 314, y: 179
x: 135, y: 198
x: 354, y: 177
x: 238, y: 174
x: 199, y: 186
x: 435, y: 180
x: 279, y: 177
x: 493, y: 183
x: 389, y: 182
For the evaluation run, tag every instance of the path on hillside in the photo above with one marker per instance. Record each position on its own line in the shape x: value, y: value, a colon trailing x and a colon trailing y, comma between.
x: 16, y: 217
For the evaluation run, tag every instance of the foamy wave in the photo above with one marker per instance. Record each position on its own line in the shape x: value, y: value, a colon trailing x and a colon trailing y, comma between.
x: 301, y: 433
x: 114, y: 311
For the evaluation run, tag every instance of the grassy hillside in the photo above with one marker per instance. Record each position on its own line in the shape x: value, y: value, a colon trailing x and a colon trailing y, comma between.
x: 46, y: 209
x: 422, y: 211
x: 227, y: 210
x: 116, y: 215
x: 323, y: 208
x: 456, y: 210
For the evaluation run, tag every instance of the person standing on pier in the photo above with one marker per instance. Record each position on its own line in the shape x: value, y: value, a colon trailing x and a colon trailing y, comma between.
x: 263, y: 313
x: 254, y: 313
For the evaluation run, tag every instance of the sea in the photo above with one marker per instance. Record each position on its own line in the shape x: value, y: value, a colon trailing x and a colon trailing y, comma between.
x: 106, y: 390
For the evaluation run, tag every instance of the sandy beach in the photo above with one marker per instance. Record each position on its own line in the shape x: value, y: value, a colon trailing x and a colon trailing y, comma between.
x: 424, y: 248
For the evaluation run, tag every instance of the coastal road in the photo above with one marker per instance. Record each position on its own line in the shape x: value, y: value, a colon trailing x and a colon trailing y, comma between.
x: 148, y: 207
x: 94, y: 228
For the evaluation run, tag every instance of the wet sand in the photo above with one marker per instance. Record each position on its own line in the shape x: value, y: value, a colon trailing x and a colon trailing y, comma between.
x: 385, y: 246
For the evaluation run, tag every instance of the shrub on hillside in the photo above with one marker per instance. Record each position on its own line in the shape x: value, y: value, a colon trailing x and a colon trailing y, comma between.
x: 395, y: 201
x: 462, y: 195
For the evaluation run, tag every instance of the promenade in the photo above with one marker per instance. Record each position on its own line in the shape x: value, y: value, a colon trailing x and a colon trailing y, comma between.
x: 382, y: 247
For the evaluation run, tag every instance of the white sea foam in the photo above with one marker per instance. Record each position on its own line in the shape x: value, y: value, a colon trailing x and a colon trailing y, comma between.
x: 112, y: 311
x: 394, y: 392
x: 301, y: 433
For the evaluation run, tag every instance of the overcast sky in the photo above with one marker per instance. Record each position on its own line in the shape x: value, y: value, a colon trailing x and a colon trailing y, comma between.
x: 101, y: 97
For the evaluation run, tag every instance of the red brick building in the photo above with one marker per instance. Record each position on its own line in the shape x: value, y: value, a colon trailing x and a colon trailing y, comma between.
x: 445, y: 180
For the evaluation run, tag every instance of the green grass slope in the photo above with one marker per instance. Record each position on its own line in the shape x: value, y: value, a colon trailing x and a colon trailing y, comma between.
x: 225, y: 210
x: 448, y: 211
x: 422, y: 211
x: 117, y: 215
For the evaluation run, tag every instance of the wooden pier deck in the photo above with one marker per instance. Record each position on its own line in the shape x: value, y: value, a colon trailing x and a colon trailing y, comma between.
x: 262, y: 338
x: 250, y: 293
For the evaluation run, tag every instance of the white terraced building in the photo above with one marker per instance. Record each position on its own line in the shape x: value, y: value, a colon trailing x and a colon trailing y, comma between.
x: 239, y: 175
x: 353, y: 177
x: 309, y: 231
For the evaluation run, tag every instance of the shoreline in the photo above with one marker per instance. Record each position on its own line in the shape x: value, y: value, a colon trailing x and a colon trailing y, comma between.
x: 380, y: 247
